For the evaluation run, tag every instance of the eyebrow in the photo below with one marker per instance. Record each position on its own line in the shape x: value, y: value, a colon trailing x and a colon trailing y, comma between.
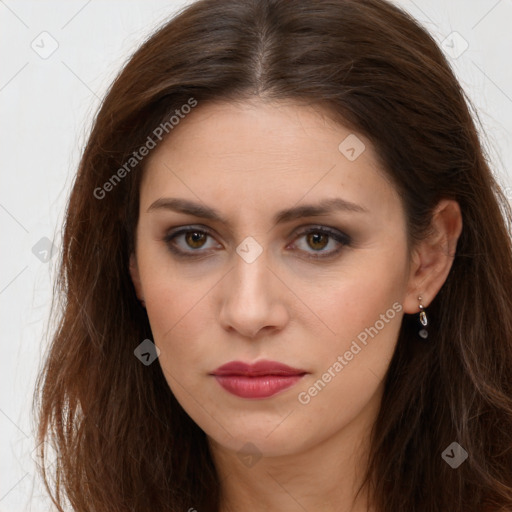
x: 308, y: 210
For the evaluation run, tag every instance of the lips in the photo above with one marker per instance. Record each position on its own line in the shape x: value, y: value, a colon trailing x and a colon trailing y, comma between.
x: 262, y: 379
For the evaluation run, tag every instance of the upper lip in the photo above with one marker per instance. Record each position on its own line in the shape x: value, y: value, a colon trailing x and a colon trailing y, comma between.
x: 257, y: 369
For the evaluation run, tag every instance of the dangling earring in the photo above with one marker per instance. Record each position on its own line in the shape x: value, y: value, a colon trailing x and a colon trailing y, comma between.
x: 423, y: 320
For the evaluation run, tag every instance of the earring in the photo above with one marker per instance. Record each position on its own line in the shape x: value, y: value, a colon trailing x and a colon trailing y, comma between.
x: 423, y: 320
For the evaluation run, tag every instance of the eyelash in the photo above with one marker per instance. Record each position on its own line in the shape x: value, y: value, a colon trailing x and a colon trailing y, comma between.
x: 338, y: 236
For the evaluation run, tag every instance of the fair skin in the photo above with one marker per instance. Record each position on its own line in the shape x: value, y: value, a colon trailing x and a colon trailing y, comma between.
x: 248, y: 161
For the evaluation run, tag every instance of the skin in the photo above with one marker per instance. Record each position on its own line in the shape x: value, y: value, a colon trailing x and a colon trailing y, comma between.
x: 249, y: 160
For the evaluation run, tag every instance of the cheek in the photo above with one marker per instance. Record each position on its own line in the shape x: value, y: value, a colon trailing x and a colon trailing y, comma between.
x: 179, y: 314
x: 364, y: 311
x: 173, y: 293
x: 350, y: 365
x: 359, y: 299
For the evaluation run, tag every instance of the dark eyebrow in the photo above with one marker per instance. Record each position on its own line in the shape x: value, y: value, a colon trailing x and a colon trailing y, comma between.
x: 309, y: 210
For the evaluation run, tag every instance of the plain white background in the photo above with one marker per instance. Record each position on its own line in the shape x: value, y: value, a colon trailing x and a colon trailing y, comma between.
x: 57, y: 60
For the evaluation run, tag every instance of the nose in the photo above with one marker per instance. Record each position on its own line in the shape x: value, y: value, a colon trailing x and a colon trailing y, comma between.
x: 253, y: 299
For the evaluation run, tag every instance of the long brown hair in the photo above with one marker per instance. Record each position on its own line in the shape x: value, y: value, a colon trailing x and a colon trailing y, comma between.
x: 123, y: 441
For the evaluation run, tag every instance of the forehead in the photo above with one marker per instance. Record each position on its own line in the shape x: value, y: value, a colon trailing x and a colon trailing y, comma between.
x: 257, y: 153
x: 274, y: 131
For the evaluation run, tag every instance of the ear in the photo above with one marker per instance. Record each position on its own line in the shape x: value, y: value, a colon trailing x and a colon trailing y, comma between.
x: 433, y: 257
x: 134, y: 274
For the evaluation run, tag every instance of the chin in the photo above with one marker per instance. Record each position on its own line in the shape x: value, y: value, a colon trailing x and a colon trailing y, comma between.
x: 262, y: 438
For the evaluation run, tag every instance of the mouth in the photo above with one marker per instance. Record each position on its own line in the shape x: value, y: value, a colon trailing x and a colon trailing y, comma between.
x: 262, y: 379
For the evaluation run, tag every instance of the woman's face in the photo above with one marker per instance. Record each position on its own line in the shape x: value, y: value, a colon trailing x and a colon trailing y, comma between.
x: 304, y: 264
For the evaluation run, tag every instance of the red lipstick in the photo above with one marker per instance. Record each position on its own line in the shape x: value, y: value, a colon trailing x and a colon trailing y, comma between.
x: 262, y: 379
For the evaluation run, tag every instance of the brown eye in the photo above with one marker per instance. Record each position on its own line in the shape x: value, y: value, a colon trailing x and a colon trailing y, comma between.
x: 321, y: 242
x: 190, y: 242
x: 195, y: 239
x: 317, y: 241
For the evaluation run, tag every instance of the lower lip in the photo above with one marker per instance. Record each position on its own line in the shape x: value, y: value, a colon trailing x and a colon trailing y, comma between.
x: 263, y: 386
